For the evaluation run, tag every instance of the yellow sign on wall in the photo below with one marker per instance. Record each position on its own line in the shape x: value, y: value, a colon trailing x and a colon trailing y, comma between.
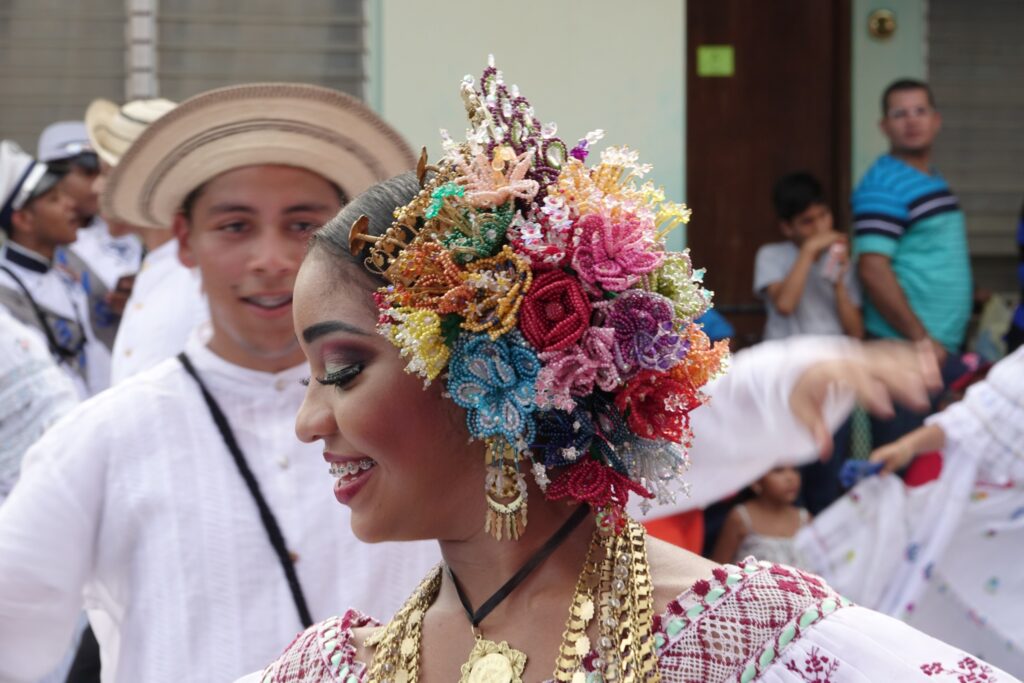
x: 716, y: 61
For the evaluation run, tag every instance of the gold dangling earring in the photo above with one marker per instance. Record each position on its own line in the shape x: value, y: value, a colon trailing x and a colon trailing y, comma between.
x: 505, y: 490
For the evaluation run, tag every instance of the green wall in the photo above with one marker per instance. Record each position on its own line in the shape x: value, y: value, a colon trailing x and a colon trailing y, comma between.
x: 583, y: 64
x: 877, y: 63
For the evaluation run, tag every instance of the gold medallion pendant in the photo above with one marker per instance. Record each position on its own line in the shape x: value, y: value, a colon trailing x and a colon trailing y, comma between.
x: 491, y: 662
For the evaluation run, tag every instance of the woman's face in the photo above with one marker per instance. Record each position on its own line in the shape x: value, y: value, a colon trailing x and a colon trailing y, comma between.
x: 400, y: 454
x: 781, y: 484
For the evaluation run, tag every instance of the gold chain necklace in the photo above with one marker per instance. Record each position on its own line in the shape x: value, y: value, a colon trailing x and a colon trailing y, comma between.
x: 614, y: 586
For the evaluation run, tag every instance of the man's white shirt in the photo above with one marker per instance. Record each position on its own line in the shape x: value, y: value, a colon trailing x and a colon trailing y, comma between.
x: 107, y: 256
x: 166, y: 305
x: 147, y: 519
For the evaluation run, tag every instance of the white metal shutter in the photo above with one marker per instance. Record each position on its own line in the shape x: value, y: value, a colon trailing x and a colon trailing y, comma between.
x: 204, y: 44
x: 976, y: 70
x: 56, y: 56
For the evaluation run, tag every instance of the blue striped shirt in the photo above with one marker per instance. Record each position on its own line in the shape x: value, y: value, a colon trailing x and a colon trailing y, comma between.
x: 915, y: 219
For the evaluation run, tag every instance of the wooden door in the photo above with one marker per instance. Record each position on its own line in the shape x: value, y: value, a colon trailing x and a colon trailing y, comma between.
x: 786, y: 107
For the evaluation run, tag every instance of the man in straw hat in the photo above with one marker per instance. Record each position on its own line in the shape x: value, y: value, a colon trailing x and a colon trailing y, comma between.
x: 166, y: 303
x: 37, y: 218
x: 195, y: 515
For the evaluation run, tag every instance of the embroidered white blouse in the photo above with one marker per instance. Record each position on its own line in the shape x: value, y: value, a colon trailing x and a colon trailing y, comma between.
x: 166, y: 305
x: 133, y: 505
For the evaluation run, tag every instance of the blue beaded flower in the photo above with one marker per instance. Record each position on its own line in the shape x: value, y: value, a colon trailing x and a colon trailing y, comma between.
x: 563, y: 438
x: 610, y: 429
x: 494, y: 382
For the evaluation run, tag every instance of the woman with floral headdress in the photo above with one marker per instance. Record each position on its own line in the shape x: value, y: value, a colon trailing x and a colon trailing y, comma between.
x: 534, y: 296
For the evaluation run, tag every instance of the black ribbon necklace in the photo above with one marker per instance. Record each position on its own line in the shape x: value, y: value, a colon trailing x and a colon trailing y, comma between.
x: 559, y: 537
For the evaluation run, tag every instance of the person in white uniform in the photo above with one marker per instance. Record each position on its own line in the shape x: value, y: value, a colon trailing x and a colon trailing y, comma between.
x: 109, y: 255
x: 37, y: 218
x: 166, y: 301
x: 179, y: 503
x: 105, y: 262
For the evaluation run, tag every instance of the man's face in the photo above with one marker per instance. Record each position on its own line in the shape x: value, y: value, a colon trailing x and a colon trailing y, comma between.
x: 78, y: 184
x: 910, y: 121
x: 247, y: 235
x: 48, y: 221
x: 814, y: 220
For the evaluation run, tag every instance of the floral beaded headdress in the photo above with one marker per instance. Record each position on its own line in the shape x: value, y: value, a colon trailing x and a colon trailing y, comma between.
x: 540, y: 289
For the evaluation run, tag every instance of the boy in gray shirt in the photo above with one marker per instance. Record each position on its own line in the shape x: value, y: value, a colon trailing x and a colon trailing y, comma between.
x: 809, y: 288
x: 806, y: 282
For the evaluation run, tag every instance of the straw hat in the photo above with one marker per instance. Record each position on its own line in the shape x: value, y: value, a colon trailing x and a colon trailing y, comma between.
x: 307, y: 126
x: 112, y: 128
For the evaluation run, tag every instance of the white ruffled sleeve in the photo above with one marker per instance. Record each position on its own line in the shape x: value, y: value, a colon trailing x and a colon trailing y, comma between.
x: 988, y: 424
x: 747, y: 427
x: 857, y: 645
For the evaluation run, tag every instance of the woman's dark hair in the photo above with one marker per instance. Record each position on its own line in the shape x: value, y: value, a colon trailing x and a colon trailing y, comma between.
x: 378, y: 204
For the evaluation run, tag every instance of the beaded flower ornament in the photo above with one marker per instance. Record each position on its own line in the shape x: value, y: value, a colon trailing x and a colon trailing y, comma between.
x: 539, y: 288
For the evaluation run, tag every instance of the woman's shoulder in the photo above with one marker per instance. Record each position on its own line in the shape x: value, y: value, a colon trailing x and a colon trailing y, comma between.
x: 736, y: 622
x: 324, y: 653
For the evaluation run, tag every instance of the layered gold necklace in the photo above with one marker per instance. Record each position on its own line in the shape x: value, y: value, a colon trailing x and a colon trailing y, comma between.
x: 614, y: 588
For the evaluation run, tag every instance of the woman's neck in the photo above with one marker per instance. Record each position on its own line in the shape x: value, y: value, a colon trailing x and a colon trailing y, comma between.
x: 483, y: 565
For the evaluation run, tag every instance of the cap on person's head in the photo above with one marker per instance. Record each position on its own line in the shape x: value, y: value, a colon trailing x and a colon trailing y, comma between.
x: 22, y: 179
x: 112, y: 129
x: 306, y: 126
x: 67, y: 141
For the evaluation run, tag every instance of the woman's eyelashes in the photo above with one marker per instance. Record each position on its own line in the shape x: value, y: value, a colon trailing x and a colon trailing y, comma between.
x: 341, y: 376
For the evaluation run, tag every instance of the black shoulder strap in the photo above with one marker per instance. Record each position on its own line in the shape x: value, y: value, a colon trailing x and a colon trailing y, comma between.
x: 266, y: 515
x: 61, y: 352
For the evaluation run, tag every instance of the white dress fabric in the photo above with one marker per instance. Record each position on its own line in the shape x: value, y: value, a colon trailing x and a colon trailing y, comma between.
x: 132, y: 506
x: 58, y: 291
x: 944, y: 557
x: 166, y: 305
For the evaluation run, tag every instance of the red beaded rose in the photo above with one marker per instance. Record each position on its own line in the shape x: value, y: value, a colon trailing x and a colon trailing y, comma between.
x: 588, y: 481
x: 555, y: 313
x: 657, y: 405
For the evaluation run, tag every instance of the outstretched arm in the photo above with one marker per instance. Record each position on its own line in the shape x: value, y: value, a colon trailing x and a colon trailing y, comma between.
x: 780, y: 402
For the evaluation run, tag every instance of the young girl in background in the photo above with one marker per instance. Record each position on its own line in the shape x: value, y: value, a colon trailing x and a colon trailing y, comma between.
x: 765, y: 525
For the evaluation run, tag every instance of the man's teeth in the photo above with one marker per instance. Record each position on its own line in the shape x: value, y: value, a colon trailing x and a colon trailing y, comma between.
x: 269, y: 301
x: 351, y: 468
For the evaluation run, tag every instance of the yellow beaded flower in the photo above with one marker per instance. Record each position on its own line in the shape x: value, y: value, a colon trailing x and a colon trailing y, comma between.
x: 418, y: 335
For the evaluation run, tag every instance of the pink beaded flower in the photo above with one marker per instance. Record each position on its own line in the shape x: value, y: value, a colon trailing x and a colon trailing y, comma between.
x: 613, y: 255
x: 577, y: 370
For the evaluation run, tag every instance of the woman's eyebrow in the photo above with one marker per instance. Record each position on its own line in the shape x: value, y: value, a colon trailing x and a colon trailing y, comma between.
x: 315, y: 331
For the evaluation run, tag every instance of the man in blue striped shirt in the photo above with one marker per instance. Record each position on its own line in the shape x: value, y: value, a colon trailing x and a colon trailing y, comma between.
x: 910, y: 240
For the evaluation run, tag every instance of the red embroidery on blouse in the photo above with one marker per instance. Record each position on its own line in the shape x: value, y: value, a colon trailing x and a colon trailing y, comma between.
x: 817, y: 668
x: 715, y: 632
x: 969, y: 670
